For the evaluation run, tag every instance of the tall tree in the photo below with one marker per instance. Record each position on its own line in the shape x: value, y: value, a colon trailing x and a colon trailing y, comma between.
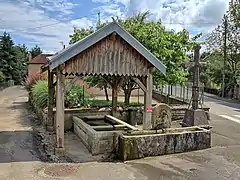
x: 224, y: 41
x: 21, y: 59
x: 7, y: 57
x: 35, y: 51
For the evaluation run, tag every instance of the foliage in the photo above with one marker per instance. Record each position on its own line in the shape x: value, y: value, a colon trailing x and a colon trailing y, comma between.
x: 13, y: 59
x: 35, y: 51
x: 216, y: 47
x: 21, y: 65
x: 99, y: 82
x: 2, y: 77
x: 39, y: 93
x: 32, y: 80
x: 79, y: 34
x: 7, y: 57
x: 76, y: 97
x: 235, y: 12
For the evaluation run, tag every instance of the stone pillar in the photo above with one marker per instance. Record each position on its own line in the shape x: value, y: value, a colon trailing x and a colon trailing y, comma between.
x: 147, y: 119
x: 59, y: 150
x: 195, y: 87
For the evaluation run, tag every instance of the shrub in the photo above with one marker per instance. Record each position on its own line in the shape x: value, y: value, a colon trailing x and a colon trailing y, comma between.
x: 32, y: 79
x: 2, y: 77
x: 39, y: 93
x: 74, y: 97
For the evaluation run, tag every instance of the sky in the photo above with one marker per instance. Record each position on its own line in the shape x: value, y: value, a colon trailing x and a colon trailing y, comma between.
x: 48, y: 23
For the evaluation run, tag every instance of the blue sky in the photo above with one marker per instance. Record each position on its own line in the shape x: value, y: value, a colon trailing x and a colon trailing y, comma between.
x: 47, y: 23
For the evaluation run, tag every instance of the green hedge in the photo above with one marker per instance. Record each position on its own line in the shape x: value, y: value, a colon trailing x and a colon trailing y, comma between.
x: 39, y: 94
x: 74, y: 97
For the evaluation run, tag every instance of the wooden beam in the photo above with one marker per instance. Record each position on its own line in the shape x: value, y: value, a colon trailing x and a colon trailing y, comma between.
x: 116, y: 127
x: 141, y: 85
x: 67, y: 86
x: 147, y: 124
x: 111, y: 118
x: 50, y: 122
x: 116, y: 80
x: 60, y: 111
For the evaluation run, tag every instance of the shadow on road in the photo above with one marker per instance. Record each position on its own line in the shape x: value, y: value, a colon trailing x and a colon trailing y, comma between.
x: 17, y: 146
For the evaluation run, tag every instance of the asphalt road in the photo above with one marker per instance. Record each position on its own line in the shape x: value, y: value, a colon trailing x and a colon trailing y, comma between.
x: 19, y: 159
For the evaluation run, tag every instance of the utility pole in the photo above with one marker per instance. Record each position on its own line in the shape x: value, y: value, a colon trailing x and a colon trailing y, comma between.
x: 99, y: 20
x: 225, y: 53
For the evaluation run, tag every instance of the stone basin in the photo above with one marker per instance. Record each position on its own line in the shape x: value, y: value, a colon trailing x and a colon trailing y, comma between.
x: 142, y: 144
x: 98, y: 132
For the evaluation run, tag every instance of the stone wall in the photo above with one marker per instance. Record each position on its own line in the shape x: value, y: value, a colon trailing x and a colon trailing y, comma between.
x: 163, y: 98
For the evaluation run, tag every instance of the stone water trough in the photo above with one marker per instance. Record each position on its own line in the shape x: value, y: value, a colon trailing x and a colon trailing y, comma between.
x: 98, y: 132
x: 142, y: 144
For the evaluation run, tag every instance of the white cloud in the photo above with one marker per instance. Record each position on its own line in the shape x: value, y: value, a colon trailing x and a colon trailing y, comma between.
x: 21, y: 19
x: 195, y: 15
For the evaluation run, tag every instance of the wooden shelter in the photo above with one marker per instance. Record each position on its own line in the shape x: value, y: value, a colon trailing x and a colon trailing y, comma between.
x: 110, y: 51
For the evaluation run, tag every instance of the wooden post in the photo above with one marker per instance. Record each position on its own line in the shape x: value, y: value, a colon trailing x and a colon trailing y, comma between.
x: 114, y: 94
x: 59, y: 150
x: 147, y: 124
x: 50, y: 101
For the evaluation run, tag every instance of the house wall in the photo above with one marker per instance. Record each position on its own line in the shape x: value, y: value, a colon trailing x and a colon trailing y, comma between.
x: 34, y: 68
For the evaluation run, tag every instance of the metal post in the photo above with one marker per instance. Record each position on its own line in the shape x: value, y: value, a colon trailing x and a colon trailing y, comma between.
x: 175, y: 90
x: 183, y: 93
x: 83, y: 95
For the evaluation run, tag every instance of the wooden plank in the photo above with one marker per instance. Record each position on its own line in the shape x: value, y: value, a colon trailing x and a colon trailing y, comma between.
x: 147, y: 118
x: 60, y: 109
x: 94, y: 117
x: 108, y: 127
x: 141, y: 85
x: 111, y: 118
x: 50, y: 101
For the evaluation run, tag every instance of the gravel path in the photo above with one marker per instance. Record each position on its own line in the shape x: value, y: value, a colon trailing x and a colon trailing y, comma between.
x: 16, y: 134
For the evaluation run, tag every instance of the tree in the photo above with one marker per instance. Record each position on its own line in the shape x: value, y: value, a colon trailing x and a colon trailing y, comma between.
x: 224, y: 41
x: 7, y: 57
x: 99, y: 82
x: 168, y: 46
x: 21, y: 55
x: 35, y: 51
x: 2, y: 77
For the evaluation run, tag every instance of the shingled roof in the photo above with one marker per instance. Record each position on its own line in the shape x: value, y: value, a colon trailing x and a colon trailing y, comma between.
x: 78, y: 47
